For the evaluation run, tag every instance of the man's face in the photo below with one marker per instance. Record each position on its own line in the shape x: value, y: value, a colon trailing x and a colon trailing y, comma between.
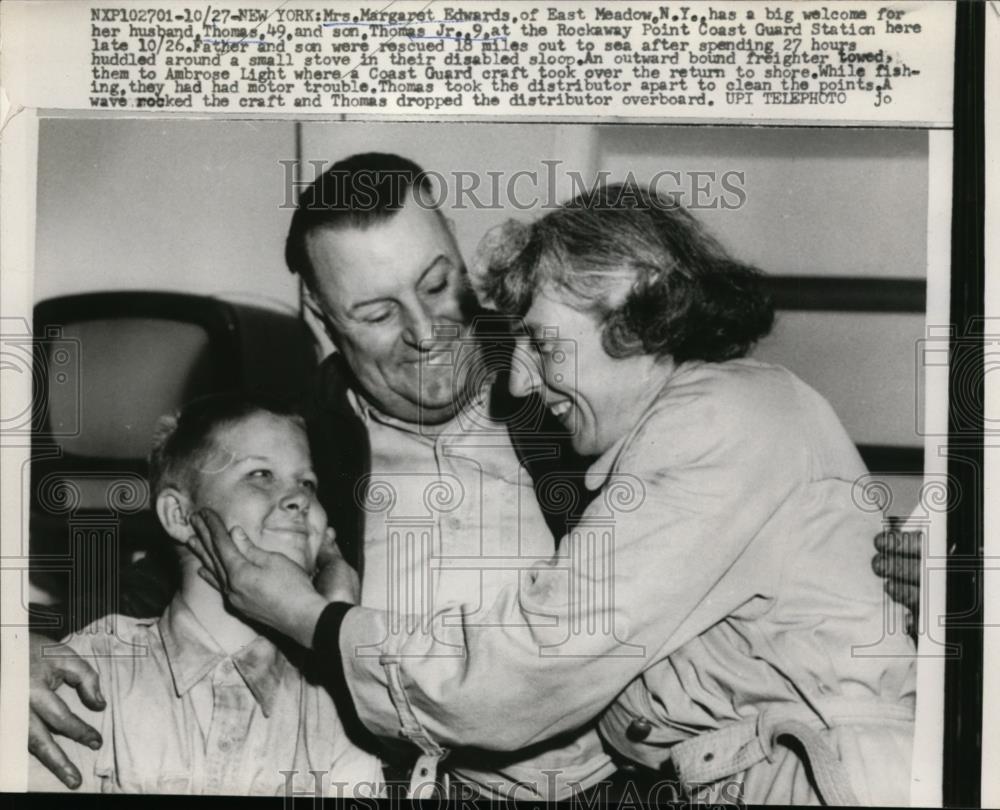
x: 259, y: 477
x: 397, y: 299
x: 606, y: 396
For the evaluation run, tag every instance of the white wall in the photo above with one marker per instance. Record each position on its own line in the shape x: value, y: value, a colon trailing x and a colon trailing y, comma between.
x: 447, y: 148
x: 185, y: 205
x: 818, y: 201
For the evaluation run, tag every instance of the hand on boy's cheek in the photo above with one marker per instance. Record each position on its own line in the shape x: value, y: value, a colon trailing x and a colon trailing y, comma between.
x: 200, y: 544
x: 264, y: 586
x: 335, y: 579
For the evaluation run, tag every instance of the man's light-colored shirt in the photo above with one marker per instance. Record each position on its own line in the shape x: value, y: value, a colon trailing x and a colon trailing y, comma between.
x: 183, y: 717
x: 451, y: 518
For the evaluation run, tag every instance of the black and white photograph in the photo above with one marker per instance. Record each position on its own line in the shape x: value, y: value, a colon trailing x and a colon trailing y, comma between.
x: 571, y: 594
x: 584, y: 460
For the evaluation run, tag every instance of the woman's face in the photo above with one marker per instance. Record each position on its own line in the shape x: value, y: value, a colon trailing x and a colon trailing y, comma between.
x: 597, y: 397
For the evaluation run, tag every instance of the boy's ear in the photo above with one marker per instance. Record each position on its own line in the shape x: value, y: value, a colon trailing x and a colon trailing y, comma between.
x: 173, y: 508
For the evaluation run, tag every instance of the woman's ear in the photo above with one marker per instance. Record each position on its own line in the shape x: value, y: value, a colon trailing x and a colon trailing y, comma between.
x: 173, y: 508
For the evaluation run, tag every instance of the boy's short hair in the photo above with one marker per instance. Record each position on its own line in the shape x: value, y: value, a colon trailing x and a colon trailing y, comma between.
x: 183, y: 441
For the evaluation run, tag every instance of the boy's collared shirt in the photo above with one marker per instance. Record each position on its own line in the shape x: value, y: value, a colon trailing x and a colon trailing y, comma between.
x: 183, y: 717
x: 197, y: 664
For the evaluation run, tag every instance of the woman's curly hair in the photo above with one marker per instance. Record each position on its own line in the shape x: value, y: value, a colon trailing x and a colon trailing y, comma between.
x: 646, y: 268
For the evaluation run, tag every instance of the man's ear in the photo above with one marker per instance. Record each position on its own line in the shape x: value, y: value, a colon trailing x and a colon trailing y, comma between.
x: 312, y: 305
x: 173, y: 508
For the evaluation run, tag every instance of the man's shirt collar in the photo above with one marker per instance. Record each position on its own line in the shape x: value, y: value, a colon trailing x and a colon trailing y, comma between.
x: 368, y: 413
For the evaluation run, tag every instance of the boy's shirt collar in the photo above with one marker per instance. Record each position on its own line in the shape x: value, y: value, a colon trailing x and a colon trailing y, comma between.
x: 193, y: 654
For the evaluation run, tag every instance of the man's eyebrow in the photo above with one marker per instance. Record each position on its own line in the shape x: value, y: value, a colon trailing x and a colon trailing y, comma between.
x: 441, y: 257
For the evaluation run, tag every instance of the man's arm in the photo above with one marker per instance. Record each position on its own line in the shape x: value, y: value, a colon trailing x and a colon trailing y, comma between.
x: 49, y: 712
x: 42, y: 780
x: 898, y: 562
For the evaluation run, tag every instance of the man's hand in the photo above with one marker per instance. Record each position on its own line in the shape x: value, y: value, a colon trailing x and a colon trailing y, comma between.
x: 261, y: 585
x: 49, y: 713
x: 335, y: 579
x: 898, y: 562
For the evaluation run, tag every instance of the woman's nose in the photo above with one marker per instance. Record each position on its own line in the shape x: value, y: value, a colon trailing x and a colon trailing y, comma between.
x: 525, y: 374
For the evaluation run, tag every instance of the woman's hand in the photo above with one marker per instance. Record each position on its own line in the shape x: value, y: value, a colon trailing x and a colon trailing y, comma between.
x: 261, y: 585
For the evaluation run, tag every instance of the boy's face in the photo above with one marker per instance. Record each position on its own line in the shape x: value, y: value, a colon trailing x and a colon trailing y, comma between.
x: 259, y: 477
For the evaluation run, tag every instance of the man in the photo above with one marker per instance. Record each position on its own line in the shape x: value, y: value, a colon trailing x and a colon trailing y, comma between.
x: 449, y: 512
x: 412, y: 376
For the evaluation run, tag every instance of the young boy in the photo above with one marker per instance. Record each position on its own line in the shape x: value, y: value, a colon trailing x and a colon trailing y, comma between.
x: 198, y: 700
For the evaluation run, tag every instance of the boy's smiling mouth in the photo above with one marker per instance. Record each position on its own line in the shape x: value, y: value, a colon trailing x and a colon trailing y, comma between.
x: 302, y: 530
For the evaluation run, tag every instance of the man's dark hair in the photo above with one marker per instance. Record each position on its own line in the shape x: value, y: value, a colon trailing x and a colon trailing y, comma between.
x: 183, y: 442
x: 645, y: 268
x: 357, y: 192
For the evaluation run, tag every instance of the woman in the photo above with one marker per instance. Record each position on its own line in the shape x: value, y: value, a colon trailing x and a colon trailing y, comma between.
x: 693, y: 609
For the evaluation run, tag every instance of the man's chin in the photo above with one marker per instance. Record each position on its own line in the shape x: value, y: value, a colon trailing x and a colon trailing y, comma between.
x: 437, y: 414
x: 435, y: 404
x: 452, y: 393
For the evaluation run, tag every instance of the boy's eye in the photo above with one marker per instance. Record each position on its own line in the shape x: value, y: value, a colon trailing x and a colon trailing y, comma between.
x: 309, y: 485
x: 438, y: 286
x: 260, y: 475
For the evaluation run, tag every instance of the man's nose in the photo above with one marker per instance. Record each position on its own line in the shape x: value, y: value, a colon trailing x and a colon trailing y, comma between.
x: 525, y: 374
x: 418, y: 328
